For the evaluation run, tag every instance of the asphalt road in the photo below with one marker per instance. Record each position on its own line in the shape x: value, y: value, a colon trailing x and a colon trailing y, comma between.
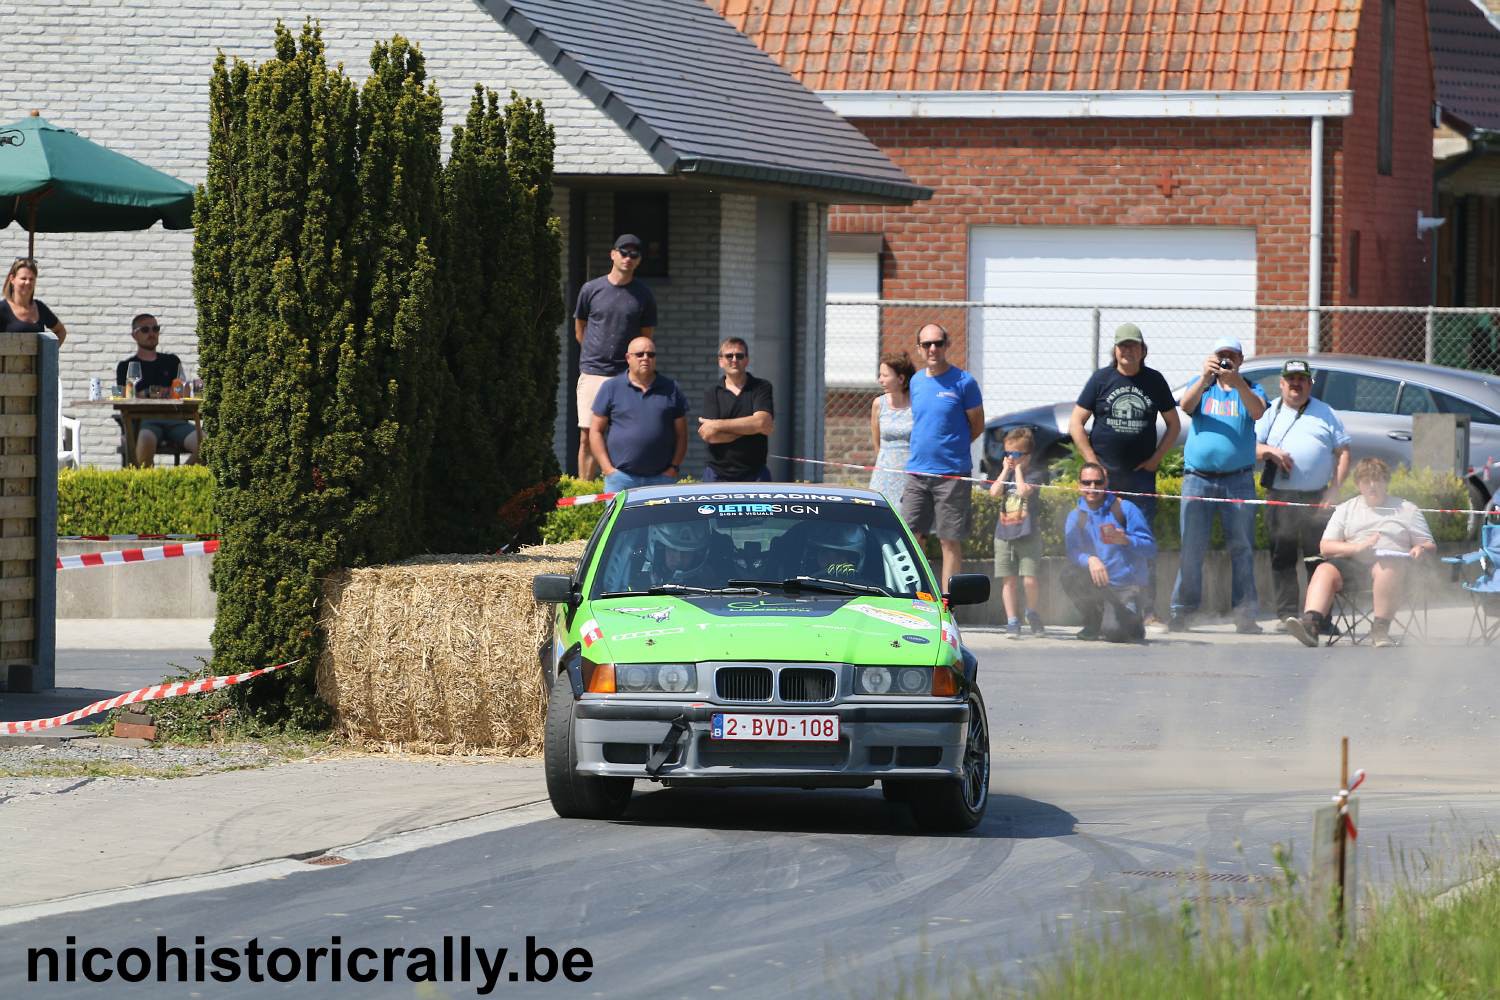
x: 1119, y: 774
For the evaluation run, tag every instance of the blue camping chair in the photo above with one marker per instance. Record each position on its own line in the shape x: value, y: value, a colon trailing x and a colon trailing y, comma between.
x: 1479, y: 573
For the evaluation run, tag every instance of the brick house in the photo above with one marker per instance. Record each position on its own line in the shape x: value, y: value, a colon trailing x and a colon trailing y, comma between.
x: 669, y: 124
x: 1095, y: 154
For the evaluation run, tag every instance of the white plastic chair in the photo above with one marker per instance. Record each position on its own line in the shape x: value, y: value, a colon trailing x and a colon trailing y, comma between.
x: 69, y: 445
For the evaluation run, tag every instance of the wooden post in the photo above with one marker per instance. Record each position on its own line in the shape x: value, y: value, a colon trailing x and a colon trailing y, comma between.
x: 28, y: 506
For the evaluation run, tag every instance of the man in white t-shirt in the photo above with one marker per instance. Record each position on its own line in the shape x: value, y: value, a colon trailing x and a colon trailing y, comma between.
x: 1375, y: 536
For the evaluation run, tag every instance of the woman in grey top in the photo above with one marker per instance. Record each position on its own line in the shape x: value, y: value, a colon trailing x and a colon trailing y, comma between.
x: 890, y: 426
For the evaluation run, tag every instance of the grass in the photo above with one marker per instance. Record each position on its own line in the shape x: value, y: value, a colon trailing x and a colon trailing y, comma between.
x: 92, y: 769
x: 1409, y: 944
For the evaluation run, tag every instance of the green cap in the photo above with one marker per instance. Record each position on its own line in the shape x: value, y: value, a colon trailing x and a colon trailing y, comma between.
x: 1126, y: 332
x: 1296, y: 366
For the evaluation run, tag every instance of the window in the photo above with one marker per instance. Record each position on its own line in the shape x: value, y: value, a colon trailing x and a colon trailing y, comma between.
x: 1268, y: 380
x: 1387, y: 86
x: 1360, y: 393
x: 852, y: 355
x: 1415, y: 399
x: 644, y: 214
x: 1476, y: 414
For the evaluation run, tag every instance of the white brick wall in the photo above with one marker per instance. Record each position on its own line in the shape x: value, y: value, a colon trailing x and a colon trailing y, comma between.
x: 134, y: 76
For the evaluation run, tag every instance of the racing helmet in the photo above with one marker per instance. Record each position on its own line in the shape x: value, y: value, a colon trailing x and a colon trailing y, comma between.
x: 838, y: 549
x: 687, y: 538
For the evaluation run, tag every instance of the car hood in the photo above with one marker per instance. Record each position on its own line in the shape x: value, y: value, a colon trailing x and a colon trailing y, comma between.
x: 777, y: 627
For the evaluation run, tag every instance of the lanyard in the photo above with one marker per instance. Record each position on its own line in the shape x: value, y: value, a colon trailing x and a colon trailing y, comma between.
x: 1289, y: 426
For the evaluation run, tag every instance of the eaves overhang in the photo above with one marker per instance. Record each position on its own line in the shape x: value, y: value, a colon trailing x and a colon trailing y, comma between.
x: 1089, y: 103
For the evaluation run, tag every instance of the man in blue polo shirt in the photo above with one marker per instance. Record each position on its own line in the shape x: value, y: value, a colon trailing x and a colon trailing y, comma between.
x: 639, y: 429
x: 1220, y: 460
x: 947, y: 414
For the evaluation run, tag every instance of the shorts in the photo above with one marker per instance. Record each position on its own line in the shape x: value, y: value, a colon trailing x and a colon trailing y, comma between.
x: 1019, y: 556
x: 942, y: 507
x: 1358, y: 575
x: 169, y: 431
x: 588, y: 388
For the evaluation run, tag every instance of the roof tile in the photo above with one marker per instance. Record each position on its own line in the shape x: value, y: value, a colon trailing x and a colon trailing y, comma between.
x: 1058, y: 44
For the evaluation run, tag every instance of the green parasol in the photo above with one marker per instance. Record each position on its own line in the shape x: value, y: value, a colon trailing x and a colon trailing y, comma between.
x: 53, y: 180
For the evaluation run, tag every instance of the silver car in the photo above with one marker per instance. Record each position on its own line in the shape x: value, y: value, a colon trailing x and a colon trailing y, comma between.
x: 1376, y: 397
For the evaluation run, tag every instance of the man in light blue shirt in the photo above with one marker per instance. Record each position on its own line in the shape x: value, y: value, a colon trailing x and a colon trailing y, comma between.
x: 1304, y: 454
x: 947, y: 414
x: 1220, y: 460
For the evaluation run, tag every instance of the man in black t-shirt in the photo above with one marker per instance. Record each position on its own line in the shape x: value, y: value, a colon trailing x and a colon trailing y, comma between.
x: 613, y: 309
x: 1123, y: 400
x: 737, y: 420
x: 158, y: 371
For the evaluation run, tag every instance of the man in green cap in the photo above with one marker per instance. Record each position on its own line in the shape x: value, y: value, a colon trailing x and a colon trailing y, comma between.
x: 1123, y: 399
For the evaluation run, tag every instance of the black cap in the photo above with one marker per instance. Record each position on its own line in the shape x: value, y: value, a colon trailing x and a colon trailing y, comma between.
x: 627, y: 240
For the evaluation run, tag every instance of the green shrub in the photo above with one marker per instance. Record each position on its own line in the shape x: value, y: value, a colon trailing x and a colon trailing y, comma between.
x: 166, y: 501
x: 565, y: 524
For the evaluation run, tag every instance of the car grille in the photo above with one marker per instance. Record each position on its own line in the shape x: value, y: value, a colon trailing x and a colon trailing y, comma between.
x: 807, y: 684
x: 743, y: 683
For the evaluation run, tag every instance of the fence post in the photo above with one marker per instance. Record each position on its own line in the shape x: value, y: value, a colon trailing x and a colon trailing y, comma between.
x: 1094, y: 352
x: 1431, y: 335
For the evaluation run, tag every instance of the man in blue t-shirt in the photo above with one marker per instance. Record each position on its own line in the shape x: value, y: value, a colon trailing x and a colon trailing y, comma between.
x: 1220, y: 460
x: 947, y: 414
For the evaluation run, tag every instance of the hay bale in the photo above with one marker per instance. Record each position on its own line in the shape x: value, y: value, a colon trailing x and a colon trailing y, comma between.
x: 439, y: 653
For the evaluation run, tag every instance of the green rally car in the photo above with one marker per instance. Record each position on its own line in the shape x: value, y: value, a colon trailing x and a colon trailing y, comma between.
x: 772, y: 634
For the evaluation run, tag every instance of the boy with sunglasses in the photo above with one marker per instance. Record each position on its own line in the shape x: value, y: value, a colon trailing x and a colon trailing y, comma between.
x: 612, y: 310
x: 1018, y: 543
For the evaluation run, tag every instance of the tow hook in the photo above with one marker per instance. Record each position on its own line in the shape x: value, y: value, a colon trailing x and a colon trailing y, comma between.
x: 680, y: 725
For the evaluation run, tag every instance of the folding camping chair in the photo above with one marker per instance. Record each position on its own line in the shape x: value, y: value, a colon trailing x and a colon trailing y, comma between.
x: 1478, y: 572
x: 1353, y: 612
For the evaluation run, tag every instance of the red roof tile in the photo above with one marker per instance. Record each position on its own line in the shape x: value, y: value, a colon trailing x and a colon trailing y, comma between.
x: 1055, y: 45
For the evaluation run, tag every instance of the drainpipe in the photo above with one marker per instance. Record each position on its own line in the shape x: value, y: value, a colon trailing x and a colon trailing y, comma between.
x: 1315, y: 237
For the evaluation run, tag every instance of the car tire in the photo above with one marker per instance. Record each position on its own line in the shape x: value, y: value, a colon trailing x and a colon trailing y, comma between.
x: 574, y: 795
x: 958, y: 805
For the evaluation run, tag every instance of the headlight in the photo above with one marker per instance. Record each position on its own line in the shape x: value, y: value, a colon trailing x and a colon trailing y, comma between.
x: 671, y: 677
x: 893, y: 680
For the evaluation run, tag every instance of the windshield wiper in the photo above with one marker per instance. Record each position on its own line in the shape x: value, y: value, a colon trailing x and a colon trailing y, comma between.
x: 683, y: 588
x: 818, y: 583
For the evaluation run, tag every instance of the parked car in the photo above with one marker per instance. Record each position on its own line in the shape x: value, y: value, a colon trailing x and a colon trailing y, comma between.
x: 1376, y: 397
x: 761, y: 634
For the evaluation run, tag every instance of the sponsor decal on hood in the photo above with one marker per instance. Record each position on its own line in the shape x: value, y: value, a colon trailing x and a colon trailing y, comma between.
x: 650, y: 614
x: 893, y: 617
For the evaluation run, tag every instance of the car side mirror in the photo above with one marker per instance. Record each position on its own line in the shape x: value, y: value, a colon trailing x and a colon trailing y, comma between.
x: 967, y: 588
x: 555, y: 588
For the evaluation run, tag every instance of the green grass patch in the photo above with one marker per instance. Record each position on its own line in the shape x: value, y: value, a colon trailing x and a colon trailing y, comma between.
x: 93, y: 769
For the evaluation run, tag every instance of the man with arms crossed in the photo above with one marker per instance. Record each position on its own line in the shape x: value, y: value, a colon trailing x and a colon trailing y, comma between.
x: 613, y: 310
x: 947, y: 414
x: 736, y: 422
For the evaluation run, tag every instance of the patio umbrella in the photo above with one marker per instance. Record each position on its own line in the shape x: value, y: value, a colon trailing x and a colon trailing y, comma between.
x: 53, y: 180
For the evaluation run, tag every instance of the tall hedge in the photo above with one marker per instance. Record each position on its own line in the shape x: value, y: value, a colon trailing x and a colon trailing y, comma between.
x: 320, y: 336
x: 501, y: 281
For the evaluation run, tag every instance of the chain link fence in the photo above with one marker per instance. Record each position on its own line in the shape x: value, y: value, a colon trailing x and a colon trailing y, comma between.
x: 1031, y: 355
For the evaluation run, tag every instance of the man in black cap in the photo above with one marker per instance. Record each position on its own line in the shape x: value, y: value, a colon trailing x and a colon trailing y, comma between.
x: 613, y: 310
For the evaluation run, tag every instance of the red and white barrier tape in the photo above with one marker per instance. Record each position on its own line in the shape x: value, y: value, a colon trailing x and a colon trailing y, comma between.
x: 122, y: 556
x: 981, y: 481
x: 585, y: 499
x: 1342, y: 798
x: 135, y: 538
x: 154, y: 693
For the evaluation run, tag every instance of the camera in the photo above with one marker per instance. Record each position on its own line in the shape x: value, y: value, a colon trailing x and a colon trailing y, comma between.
x: 1268, y: 474
x: 1225, y: 364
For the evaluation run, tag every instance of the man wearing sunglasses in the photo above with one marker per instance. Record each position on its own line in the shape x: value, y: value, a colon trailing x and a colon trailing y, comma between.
x: 1109, y: 546
x: 736, y: 422
x: 158, y: 371
x: 947, y: 414
x: 638, y: 429
x: 612, y: 310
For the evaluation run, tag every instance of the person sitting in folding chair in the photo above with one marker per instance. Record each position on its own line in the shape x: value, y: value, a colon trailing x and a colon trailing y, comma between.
x: 1372, y: 539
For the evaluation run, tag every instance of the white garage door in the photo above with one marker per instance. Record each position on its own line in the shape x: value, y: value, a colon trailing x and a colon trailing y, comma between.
x: 1042, y: 355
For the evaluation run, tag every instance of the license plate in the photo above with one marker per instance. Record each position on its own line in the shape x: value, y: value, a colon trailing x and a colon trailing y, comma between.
x: 789, y: 728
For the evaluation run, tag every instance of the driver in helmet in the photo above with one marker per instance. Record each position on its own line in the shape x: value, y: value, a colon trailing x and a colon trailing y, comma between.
x: 837, y: 551
x: 678, y: 552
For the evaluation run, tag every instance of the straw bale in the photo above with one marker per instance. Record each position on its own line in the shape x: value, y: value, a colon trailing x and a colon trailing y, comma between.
x: 439, y: 653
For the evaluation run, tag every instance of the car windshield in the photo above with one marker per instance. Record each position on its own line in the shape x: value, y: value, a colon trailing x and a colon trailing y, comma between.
x: 695, y: 544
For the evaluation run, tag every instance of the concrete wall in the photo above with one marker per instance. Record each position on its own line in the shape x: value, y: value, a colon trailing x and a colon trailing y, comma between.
x: 172, y: 588
x: 134, y: 76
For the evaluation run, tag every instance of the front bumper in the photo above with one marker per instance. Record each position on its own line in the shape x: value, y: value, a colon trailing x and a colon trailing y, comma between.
x: 907, y: 739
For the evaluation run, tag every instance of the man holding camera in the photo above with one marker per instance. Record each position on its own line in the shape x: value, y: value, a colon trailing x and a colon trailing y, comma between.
x: 1303, y: 451
x: 1220, y: 460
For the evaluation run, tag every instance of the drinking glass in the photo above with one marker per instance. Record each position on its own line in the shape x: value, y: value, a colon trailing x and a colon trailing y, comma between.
x: 132, y: 380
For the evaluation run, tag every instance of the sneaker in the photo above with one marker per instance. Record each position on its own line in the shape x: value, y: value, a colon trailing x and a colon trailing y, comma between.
x: 1013, y: 629
x: 1305, y: 629
x: 1155, y: 625
x: 1178, y: 623
x: 1380, y: 634
x: 1034, y: 619
x: 1248, y: 627
x: 1088, y: 634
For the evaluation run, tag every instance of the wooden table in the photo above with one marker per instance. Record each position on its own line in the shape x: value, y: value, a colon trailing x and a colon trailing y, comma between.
x: 132, y: 411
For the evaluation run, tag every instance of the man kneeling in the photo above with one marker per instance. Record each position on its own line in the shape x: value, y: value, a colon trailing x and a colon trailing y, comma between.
x: 1374, y: 538
x: 1110, y: 546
